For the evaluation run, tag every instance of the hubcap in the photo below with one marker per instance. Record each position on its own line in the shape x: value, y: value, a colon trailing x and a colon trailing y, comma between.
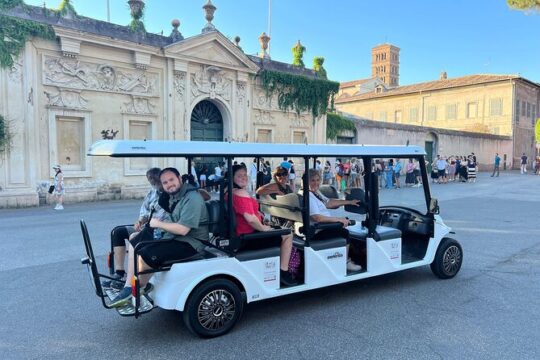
x: 216, y: 309
x: 451, y: 260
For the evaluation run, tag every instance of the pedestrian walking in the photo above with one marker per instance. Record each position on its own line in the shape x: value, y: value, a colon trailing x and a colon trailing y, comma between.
x: 471, y: 170
x: 409, y: 170
x: 496, y: 164
x: 327, y: 173
x: 524, y: 164
x: 59, y: 189
x: 397, y: 173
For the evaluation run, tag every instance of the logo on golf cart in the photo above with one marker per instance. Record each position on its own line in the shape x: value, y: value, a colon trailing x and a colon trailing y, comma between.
x: 335, y: 255
x: 270, y: 273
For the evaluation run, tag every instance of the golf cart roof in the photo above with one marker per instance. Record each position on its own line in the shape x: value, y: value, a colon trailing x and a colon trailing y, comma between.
x: 159, y: 148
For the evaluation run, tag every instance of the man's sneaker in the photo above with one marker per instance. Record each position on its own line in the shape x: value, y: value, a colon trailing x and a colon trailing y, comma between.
x: 117, y: 283
x: 59, y: 207
x: 147, y: 289
x: 352, y: 266
x: 122, y: 298
x: 285, y: 278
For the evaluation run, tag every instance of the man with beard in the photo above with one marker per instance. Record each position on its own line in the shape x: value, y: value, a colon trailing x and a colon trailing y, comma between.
x: 120, y: 234
x: 188, y: 227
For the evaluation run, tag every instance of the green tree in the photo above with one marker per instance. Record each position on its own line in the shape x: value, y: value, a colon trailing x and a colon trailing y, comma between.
x: 524, y: 4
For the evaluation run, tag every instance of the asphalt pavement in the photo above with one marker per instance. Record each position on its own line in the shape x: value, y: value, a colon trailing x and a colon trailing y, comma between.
x: 490, y: 310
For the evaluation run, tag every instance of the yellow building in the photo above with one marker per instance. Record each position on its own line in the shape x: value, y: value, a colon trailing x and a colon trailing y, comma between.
x: 483, y: 103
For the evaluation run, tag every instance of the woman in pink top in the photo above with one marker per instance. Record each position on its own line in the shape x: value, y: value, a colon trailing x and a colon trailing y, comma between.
x: 250, y: 220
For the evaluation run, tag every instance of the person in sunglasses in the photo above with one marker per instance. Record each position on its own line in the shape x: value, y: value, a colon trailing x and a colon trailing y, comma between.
x: 280, y: 185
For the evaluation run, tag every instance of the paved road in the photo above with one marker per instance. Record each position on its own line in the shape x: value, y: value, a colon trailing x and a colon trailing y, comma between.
x: 490, y: 310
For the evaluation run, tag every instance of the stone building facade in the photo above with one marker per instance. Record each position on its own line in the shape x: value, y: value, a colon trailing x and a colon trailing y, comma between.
x: 489, y: 104
x: 504, y: 105
x: 102, y: 81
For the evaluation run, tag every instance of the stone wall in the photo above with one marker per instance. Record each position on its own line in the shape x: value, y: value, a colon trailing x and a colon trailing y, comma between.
x: 446, y: 142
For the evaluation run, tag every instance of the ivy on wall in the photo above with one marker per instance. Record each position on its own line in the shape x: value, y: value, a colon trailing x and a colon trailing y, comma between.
x: 137, y: 13
x: 15, y: 32
x: 318, y: 62
x: 5, y: 136
x: 336, y: 124
x: 299, y: 93
x: 298, y: 53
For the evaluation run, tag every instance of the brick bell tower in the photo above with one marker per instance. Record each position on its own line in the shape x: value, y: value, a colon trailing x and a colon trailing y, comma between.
x: 385, y: 64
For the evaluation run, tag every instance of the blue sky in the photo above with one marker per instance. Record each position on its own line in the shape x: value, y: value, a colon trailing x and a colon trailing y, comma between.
x: 460, y: 37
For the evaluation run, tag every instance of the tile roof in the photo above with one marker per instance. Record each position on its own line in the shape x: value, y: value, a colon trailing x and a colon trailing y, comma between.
x: 434, y: 85
x: 351, y: 83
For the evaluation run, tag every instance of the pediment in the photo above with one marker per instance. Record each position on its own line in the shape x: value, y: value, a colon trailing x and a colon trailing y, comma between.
x: 211, y: 49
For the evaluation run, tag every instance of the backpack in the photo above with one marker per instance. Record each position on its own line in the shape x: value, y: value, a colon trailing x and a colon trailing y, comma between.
x: 340, y: 170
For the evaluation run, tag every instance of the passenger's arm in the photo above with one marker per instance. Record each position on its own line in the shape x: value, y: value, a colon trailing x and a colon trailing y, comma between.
x: 329, y: 219
x: 335, y: 203
x: 173, y: 228
x: 255, y: 223
x: 268, y: 189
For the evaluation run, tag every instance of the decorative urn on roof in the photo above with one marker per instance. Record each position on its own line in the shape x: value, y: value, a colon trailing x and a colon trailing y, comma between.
x: 209, y: 9
x: 263, y: 41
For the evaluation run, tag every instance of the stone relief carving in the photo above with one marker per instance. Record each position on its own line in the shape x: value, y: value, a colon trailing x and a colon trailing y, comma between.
x: 241, y: 92
x: 264, y: 118
x: 211, y: 81
x: 15, y: 73
x: 261, y: 101
x: 139, y: 105
x: 300, y: 121
x: 98, y: 77
x: 67, y: 98
x: 180, y: 84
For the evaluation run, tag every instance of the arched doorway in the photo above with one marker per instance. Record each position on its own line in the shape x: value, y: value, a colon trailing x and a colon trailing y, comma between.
x: 206, y: 125
x: 431, y: 147
x: 206, y: 122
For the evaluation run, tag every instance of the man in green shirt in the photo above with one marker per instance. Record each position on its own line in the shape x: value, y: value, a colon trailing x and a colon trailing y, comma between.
x: 187, y: 226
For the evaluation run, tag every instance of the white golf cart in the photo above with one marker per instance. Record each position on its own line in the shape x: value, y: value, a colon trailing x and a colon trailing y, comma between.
x: 394, y: 230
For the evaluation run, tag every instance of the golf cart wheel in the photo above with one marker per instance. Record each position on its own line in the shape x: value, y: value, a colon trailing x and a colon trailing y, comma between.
x: 448, y: 259
x: 213, y: 308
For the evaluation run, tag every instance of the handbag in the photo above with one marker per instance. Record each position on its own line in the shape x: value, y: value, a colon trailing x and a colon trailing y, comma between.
x: 51, y: 189
x: 294, y: 262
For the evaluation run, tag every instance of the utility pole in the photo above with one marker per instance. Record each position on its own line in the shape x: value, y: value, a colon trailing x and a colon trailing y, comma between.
x: 108, y: 11
x: 269, y: 22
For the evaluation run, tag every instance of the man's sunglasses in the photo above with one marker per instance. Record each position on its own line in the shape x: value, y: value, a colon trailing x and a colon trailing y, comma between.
x: 282, y: 174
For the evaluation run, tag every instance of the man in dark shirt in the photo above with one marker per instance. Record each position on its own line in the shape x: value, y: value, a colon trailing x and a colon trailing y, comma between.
x: 524, y: 164
x: 188, y: 227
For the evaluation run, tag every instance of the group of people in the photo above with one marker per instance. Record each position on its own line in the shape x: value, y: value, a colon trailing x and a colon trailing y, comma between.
x: 343, y: 174
x: 456, y: 168
x: 175, y: 210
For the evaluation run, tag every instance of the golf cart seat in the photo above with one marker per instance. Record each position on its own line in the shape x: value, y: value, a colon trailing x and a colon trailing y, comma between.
x: 218, y: 226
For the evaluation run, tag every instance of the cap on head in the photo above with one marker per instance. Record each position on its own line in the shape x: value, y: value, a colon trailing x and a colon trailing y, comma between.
x: 57, y: 167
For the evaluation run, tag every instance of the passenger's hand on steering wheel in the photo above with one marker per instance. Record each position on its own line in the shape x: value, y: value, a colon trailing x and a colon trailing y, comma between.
x: 266, y: 228
x: 344, y: 221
